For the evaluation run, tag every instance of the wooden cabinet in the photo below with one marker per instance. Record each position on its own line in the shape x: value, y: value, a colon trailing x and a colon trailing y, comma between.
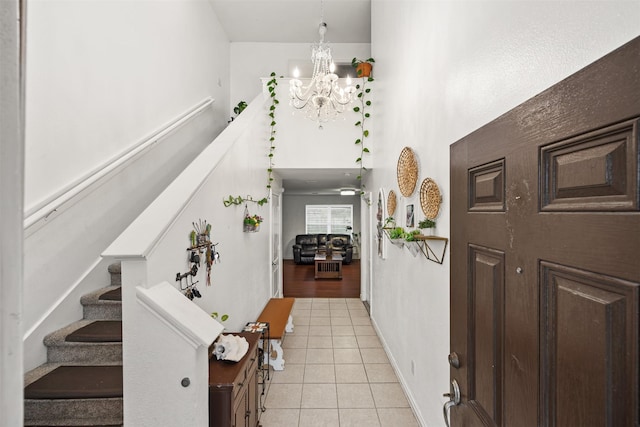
x: 233, y: 389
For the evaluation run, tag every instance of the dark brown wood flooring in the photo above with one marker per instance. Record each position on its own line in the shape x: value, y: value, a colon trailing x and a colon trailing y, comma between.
x: 298, y: 282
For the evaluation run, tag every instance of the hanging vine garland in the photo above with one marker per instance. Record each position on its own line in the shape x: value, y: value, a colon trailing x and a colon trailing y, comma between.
x: 364, y: 115
x: 271, y: 87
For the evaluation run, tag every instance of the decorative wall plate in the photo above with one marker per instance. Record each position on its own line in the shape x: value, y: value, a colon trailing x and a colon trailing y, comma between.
x: 391, y: 203
x: 407, y: 172
x: 430, y: 198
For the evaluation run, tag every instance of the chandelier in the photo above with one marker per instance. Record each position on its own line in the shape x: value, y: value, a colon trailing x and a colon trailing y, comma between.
x: 323, y: 98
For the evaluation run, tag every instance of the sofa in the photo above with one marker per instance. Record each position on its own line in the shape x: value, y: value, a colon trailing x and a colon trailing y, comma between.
x: 306, y: 246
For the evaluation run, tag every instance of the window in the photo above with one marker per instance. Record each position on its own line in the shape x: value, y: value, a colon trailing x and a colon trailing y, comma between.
x: 325, y: 219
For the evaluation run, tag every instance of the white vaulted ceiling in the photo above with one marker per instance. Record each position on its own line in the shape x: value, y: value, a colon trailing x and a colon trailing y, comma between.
x: 294, y: 21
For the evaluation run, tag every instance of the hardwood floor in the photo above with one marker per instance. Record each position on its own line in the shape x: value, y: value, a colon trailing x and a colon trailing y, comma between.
x: 298, y: 281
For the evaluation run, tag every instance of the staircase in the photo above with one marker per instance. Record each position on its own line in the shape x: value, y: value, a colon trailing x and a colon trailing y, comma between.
x: 81, y: 383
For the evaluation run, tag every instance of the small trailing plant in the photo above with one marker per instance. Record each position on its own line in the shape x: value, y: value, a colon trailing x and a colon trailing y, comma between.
x: 396, y: 233
x: 356, y: 63
x: 411, y: 236
x: 363, y: 92
x: 426, y: 223
x: 390, y: 222
x: 240, y: 200
x: 238, y: 109
x: 252, y: 219
x: 223, y: 318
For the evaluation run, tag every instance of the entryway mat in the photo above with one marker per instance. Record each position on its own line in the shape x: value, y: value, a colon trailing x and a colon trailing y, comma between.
x: 113, y: 295
x: 77, y: 382
x: 98, y: 331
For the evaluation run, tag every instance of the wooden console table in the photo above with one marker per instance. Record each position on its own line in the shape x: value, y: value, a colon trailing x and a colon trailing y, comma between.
x: 328, y: 266
x: 233, y: 389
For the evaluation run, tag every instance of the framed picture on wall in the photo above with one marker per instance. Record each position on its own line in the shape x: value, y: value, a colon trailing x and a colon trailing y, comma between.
x: 410, y: 216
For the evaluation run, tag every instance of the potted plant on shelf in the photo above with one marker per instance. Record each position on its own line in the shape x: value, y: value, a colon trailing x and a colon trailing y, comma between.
x: 428, y: 225
x: 410, y: 237
x: 363, y: 67
x: 396, y: 236
x: 251, y: 223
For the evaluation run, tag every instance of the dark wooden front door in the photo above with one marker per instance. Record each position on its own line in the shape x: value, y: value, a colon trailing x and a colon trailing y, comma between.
x: 545, y: 256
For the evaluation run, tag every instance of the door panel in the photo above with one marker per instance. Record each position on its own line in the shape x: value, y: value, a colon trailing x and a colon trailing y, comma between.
x: 545, y: 237
x: 587, y: 325
x: 486, y: 292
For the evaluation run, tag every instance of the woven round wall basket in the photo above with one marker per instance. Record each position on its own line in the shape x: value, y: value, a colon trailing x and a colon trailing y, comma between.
x: 430, y: 198
x: 407, y: 172
x: 391, y: 203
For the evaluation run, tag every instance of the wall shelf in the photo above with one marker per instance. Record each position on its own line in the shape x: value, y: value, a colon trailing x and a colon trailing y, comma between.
x: 428, y: 251
x: 428, y: 245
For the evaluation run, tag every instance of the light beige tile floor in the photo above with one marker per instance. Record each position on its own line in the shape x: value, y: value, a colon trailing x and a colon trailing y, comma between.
x: 336, y: 373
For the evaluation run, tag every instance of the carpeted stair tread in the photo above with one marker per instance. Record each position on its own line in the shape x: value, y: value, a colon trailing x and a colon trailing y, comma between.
x: 98, y: 331
x: 77, y: 382
x: 113, y: 295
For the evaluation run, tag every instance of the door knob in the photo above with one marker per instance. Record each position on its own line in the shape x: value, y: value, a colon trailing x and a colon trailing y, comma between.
x: 454, y: 360
x: 454, y: 399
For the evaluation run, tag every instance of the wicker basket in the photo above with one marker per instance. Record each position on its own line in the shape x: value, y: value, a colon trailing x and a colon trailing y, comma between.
x: 407, y: 172
x: 391, y: 203
x: 430, y: 198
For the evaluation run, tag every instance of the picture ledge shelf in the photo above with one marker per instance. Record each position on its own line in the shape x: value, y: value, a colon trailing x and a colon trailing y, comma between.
x: 426, y: 244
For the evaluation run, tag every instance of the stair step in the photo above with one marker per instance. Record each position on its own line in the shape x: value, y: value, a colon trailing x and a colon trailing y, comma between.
x: 81, y: 385
x: 96, y: 308
x: 73, y: 412
x: 98, y: 331
x: 59, y: 350
x: 113, y: 295
x: 77, y: 382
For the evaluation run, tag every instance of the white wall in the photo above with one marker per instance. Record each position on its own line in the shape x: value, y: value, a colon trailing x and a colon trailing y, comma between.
x: 293, y: 216
x: 102, y: 76
x: 444, y: 69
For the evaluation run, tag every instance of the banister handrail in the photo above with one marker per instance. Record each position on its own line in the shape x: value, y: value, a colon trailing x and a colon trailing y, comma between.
x: 46, y: 208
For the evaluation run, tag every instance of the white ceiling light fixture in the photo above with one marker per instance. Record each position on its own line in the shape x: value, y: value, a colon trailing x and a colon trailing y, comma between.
x: 348, y: 192
x: 323, y: 98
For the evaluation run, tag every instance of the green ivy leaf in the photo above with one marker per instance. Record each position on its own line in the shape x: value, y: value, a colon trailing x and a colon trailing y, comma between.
x: 370, y: 79
x: 358, y: 141
x: 356, y: 109
x: 360, y: 95
x: 275, y: 101
x: 367, y: 115
x: 273, y: 123
x: 359, y: 177
x: 359, y: 159
x: 365, y: 133
x: 367, y: 90
x: 366, y: 150
x: 358, y: 123
x: 357, y: 86
x: 368, y: 103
